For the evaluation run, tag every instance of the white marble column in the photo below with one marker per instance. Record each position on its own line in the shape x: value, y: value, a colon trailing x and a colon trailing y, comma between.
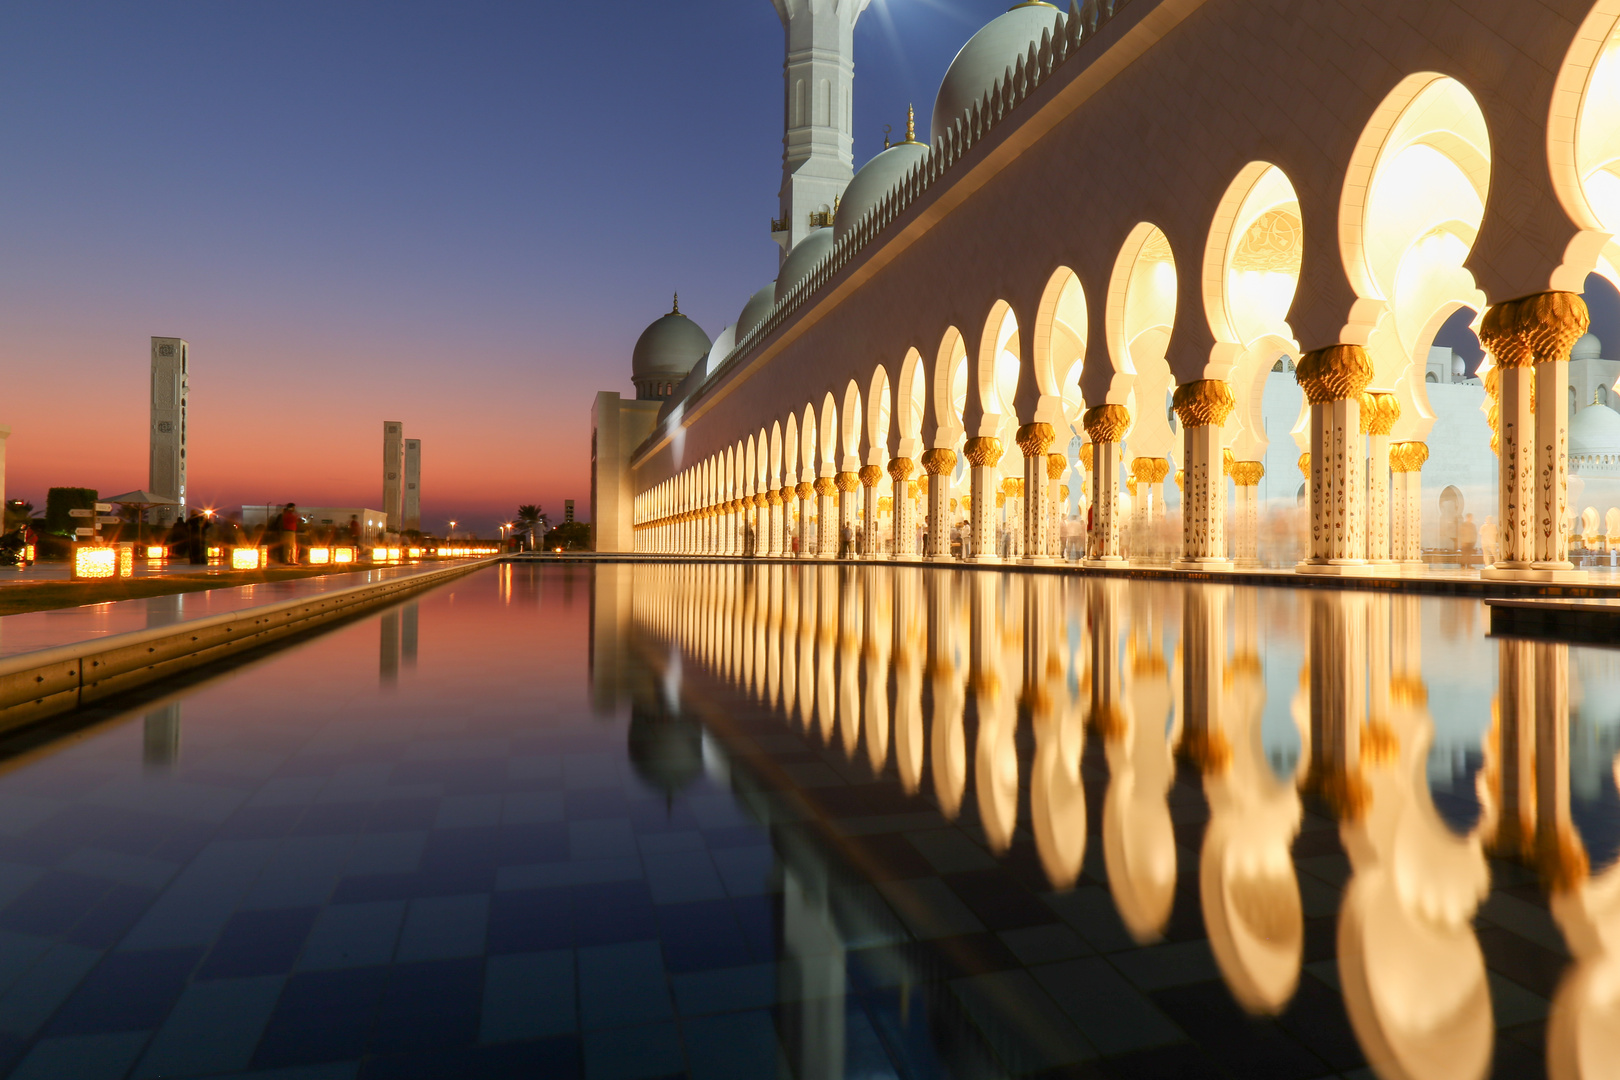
x: 1333, y: 380
x: 1035, y: 440
x: 1203, y: 408
x: 1106, y: 425
x: 905, y: 510
x: 1057, y: 494
x: 1379, y: 411
x: 849, y: 503
x: 984, y: 454
x: 806, y: 491
x: 1246, y: 475
x: 939, y: 463
x: 826, y: 517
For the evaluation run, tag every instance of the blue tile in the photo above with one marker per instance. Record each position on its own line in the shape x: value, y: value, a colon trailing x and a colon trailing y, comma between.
x: 340, y: 1070
x: 738, y: 1046
x: 258, y: 943
x: 53, y: 903
x: 522, y: 843
x: 622, y: 984
x: 468, y: 811
x: 748, y: 871
x: 531, y: 807
x: 353, y: 935
x: 442, y: 928
x: 42, y: 988
x: 213, y: 1028
x: 556, y: 875
x: 530, y: 921
x: 322, y: 1016
x: 608, y: 913
x: 83, y: 1057
x: 547, y: 1059
x: 386, y: 853
x: 633, y: 1053
x: 127, y: 991
x: 701, y: 936
x: 679, y: 877
x: 302, y: 873
x: 726, y: 989
x: 429, y: 1006
x: 606, y: 838
x: 676, y: 840
x: 529, y: 996
x: 112, y: 916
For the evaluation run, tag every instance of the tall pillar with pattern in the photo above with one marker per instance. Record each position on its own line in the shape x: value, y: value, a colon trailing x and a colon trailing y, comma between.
x: 1203, y: 407
x: 1106, y: 424
x: 1333, y: 380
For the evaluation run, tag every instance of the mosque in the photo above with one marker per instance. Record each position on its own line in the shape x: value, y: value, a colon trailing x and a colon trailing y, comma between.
x: 1237, y: 291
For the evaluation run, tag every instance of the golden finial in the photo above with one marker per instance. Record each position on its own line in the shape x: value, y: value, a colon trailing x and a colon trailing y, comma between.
x: 911, y: 123
x: 1597, y: 396
x: 888, y: 129
x: 677, y: 308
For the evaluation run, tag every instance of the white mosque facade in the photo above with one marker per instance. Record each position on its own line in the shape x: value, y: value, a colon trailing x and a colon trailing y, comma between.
x: 1164, y: 281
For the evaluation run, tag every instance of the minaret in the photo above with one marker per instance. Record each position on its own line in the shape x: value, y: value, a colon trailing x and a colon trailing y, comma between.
x: 818, y: 156
x: 166, y: 473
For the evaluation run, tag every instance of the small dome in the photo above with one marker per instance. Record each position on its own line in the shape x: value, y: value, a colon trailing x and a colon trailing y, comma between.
x: 804, y: 257
x: 1594, y: 430
x: 669, y: 348
x: 722, y: 349
x: 753, y: 313
x: 1587, y: 348
x: 986, y: 58
x: 876, y: 179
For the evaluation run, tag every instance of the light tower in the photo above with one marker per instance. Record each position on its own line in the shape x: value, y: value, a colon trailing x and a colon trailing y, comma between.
x: 818, y: 149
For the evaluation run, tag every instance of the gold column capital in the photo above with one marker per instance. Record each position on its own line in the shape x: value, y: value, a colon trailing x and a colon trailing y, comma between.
x: 1107, y: 423
x: 939, y: 459
x: 900, y: 468
x: 804, y: 489
x: 824, y: 485
x: 1408, y: 457
x: 1150, y: 470
x: 1204, y: 403
x: 1035, y: 439
x: 773, y: 497
x: 1379, y: 411
x: 1056, y: 466
x: 1305, y: 464
x: 871, y: 474
x: 1247, y: 473
x: 846, y: 481
x: 1088, y: 456
x: 1336, y: 373
x: 984, y: 451
x: 1009, y: 485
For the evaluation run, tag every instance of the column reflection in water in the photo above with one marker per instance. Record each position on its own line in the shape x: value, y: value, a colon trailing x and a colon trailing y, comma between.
x: 946, y: 734
x: 995, y: 767
x: 1248, y: 887
x: 1411, y: 967
x: 1157, y: 673
x: 388, y: 649
x: 879, y: 599
x: 1139, y: 844
x: 160, y: 738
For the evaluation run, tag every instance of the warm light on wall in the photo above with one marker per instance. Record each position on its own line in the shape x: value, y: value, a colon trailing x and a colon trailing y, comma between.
x: 343, y: 555
x: 91, y: 563
x: 416, y: 553
x: 320, y: 556
x: 156, y: 552
x: 245, y: 558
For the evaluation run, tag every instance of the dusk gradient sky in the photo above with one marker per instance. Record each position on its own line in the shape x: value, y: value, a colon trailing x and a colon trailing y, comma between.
x: 459, y: 216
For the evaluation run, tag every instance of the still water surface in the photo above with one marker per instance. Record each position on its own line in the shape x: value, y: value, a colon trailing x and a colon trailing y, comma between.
x: 823, y: 822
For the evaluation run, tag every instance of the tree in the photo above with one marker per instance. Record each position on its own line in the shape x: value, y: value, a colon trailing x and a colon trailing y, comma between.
x: 59, y: 500
x: 531, y: 519
x: 570, y: 536
x: 18, y: 514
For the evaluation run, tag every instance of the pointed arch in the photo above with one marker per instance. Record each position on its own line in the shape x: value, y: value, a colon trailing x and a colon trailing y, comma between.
x: 879, y: 418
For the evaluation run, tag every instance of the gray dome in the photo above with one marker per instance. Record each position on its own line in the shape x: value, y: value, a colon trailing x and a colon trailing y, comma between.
x: 876, y: 179
x: 804, y: 257
x: 753, y: 313
x: 986, y: 58
x: 672, y: 346
x: 1587, y: 348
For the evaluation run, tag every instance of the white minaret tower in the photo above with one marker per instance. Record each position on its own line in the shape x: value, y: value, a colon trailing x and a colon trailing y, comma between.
x: 166, y: 473
x: 818, y: 150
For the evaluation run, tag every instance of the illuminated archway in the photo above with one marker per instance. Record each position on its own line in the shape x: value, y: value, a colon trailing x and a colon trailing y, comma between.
x: 1583, y: 146
x: 1140, y: 312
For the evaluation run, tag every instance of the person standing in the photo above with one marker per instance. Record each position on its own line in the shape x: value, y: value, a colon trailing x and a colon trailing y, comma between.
x: 197, y: 539
x: 354, y: 531
x: 289, y: 535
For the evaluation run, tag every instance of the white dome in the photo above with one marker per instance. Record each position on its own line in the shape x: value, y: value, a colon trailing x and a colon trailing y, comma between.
x: 722, y: 349
x: 804, y: 257
x: 876, y: 179
x: 986, y: 58
x: 1594, y: 430
x: 753, y: 313
x: 1587, y: 348
x: 669, y: 348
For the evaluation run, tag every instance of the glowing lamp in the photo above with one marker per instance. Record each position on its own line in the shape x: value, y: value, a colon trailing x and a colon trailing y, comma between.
x: 343, y: 555
x: 320, y: 556
x: 244, y: 558
x: 92, y: 563
x: 216, y: 553
x: 126, y: 560
x: 392, y: 554
x: 416, y: 553
x: 28, y: 553
x: 155, y: 553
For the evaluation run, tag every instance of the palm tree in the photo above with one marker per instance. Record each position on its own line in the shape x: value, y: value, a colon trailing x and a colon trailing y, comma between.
x: 529, y: 518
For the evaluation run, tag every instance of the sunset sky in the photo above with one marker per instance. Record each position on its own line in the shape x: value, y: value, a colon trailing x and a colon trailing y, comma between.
x: 459, y: 216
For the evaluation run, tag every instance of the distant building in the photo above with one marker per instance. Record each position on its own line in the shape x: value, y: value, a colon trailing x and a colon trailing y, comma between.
x: 394, y: 473
x: 568, y: 511
x: 167, y: 467
x: 413, y: 484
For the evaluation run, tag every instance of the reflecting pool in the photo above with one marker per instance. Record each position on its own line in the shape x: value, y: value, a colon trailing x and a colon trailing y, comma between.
x: 832, y: 821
